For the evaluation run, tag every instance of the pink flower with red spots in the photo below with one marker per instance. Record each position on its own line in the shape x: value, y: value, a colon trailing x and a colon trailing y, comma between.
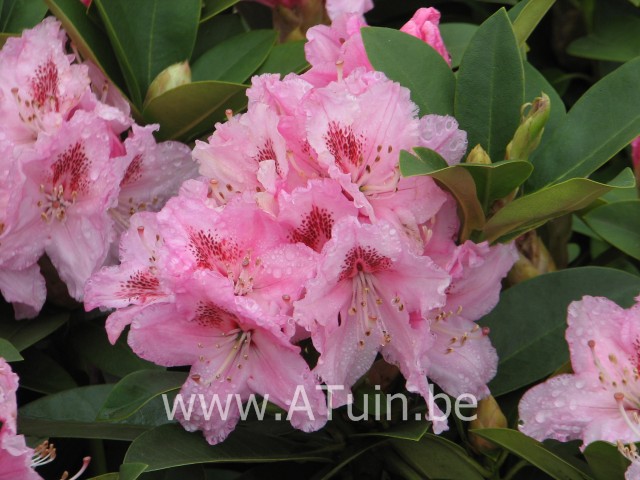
x: 601, y: 400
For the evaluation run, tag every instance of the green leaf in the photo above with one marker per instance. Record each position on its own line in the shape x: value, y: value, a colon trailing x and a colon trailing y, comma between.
x: 529, y: 17
x: 40, y: 373
x: 148, y: 36
x: 235, y: 59
x: 456, y: 37
x: 492, y: 181
x: 285, y: 58
x: 436, y: 457
x: 598, y: 126
x: 458, y: 181
x: 9, y: 352
x: 190, y: 110
x: 614, y: 36
x: 605, y: 461
x: 415, y: 65
x: 532, y: 451
x: 20, y: 14
x: 530, y: 211
x: 72, y: 414
x: 498, y: 179
x: 137, y: 389
x: 91, y: 42
x: 170, y: 446
x: 490, y: 87
x: 216, y: 31
x: 212, y: 8
x: 619, y: 224
x: 91, y: 343
x: 131, y: 471
x: 25, y: 333
x: 529, y: 323
x: 414, y: 428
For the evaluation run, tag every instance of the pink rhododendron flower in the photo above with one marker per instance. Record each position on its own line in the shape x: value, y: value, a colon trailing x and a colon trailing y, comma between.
x: 424, y: 25
x: 336, y: 8
x: 462, y: 359
x: 600, y: 401
x: 368, y: 285
x: 15, y: 456
x: 338, y: 49
x: 72, y: 182
x: 154, y: 173
x: 39, y: 85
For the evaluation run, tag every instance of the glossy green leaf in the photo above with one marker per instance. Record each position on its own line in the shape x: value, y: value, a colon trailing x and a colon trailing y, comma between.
x: 131, y: 471
x: 529, y: 17
x: 411, y: 429
x: 598, y: 126
x: 25, y: 333
x: 92, y: 344
x: 191, y: 110
x: 170, y: 445
x: 490, y: 87
x: 148, y: 36
x: 458, y: 181
x: 72, y: 414
x: 235, y: 59
x: 285, y: 58
x: 530, y: 211
x: 214, y: 7
x: 532, y: 451
x: 9, y: 352
x: 606, y: 461
x: 215, y: 31
x: 40, y: 373
x: 615, y: 35
x: 20, y: 14
x: 415, y: 65
x: 137, y: 389
x: 498, y: 179
x: 436, y: 457
x: 619, y: 224
x: 492, y: 181
x: 529, y: 323
x: 456, y: 37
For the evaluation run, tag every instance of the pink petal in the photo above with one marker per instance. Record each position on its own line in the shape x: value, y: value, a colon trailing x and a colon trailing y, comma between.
x: 25, y: 289
x: 441, y: 134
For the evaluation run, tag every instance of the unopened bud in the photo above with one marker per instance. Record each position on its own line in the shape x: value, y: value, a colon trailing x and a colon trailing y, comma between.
x: 171, y: 77
x: 528, y: 135
x: 478, y: 155
x: 489, y: 415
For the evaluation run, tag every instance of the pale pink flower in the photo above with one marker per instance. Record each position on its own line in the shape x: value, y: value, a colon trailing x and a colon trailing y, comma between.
x: 336, y: 8
x: 441, y: 134
x: 137, y: 281
x: 462, y: 359
x: 424, y: 25
x: 15, y: 456
x: 72, y: 182
x: 155, y: 172
x: 335, y: 50
x: 360, y: 303
x: 242, y: 244
x: 601, y: 400
x: 245, y: 154
x: 309, y: 213
x: 235, y: 349
x: 39, y: 84
x: 358, y: 127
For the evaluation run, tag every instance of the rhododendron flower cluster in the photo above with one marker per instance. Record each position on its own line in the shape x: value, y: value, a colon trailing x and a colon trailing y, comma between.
x: 600, y: 400
x: 302, y: 226
x: 67, y: 177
